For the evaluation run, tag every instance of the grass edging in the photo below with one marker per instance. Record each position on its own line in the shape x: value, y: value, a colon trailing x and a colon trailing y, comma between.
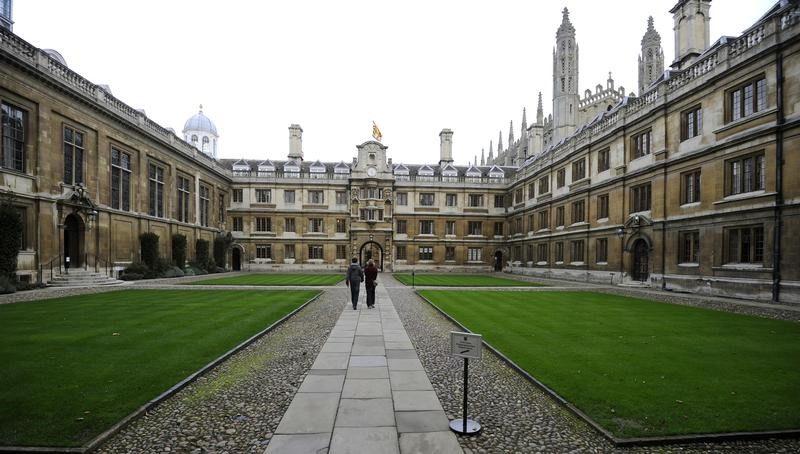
x: 124, y: 422
x: 635, y: 441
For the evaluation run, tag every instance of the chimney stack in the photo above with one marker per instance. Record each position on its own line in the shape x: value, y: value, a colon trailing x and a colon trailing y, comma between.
x: 446, y: 147
x: 295, y: 142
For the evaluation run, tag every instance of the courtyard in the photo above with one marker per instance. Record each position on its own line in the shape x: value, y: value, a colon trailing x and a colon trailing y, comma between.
x: 694, y: 366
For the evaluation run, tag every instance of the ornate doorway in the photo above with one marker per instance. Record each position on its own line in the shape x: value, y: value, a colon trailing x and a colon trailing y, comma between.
x: 641, y: 259
x: 73, y: 241
x: 371, y: 250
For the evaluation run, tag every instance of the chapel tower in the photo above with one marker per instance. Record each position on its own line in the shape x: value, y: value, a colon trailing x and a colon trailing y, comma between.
x: 651, y: 61
x: 565, y: 80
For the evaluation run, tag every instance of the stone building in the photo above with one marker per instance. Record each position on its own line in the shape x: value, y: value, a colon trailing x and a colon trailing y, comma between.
x: 689, y: 186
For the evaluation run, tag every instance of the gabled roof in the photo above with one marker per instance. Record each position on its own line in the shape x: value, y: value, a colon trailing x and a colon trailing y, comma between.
x: 266, y: 166
x: 449, y: 170
x: 291, y: 166
x: 318, y: 167
x: 473, y: 171
x: 341, y: 167
x: 496, y: 172
x: 400, y: 169
x: 425, y: 170
x: 241, y: 165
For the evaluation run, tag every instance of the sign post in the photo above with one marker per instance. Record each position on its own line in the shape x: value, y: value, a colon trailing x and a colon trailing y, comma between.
x: 465, y: 345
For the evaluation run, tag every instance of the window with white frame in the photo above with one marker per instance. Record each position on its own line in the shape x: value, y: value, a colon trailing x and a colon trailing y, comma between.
x: 474, y: 254
x: 263, y: 251
x: 315, y: 252
x: 263, y: 195
x: 426, y: 253
x: 426, y: 199
x: 316, y: 197
x: 426, y: 227
x: 316, y: 225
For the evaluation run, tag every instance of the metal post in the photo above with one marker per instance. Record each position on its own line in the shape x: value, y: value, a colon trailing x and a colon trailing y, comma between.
x: 412, y: 278
x: 466, y: 387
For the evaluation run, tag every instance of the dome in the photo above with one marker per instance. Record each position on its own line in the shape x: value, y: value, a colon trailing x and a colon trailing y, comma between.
x: 200, y: 122
x: 56, y: 55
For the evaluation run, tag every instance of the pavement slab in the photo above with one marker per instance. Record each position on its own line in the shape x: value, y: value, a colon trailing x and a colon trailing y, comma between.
x: 366, y: 392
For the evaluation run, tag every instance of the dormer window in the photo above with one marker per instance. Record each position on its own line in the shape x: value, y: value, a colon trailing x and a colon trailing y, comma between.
x: 241, y: 169
x: 425, y: 173
x: 317, y: 170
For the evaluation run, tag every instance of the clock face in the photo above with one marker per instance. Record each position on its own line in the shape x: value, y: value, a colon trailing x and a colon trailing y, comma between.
x: 372, y: 172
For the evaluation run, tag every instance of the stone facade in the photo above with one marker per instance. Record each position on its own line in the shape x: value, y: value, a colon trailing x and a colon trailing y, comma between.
x: 691, y: 186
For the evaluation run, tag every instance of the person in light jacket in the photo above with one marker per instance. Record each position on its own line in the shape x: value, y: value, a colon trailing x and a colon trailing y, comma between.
x: 370, y: 275
x: 353, y: 280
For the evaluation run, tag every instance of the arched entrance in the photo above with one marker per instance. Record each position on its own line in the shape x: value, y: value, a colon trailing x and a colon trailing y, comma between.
x: 236, y: 259
x: 641, y: 260
x: 371, y: 250
x: 73, y: 241
x: 498, y: 261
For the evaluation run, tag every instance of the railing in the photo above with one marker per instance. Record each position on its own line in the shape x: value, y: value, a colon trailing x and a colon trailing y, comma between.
x: 49, y: 265
x: 345, y: 176
x: 100, y: 262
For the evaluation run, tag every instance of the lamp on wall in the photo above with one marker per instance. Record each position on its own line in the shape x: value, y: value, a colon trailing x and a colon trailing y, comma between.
x: 85, y: 206
x: 91, y: 218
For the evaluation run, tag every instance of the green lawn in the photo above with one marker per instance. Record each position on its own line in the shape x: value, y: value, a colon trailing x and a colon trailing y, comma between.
x: 641, y: 368
x: 461, y: 280
x: 72, y: 367
x: 274, y: 279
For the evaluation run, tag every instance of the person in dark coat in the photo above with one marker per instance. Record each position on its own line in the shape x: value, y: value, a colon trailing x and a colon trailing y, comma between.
x: 353, y: 280
x: 370, y: 275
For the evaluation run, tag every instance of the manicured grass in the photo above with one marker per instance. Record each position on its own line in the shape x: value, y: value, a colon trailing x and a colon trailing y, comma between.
x: 461, y: 280
x: 72, y: 367
x: 274, y: 279
x: 641, y: 368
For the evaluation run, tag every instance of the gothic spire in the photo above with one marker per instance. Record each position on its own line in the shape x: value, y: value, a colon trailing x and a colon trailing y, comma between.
x: 483, y: 159
x: 524, y: 122
x: 539, y: 111
x: 499, y: 143
x: 511, y: 134
x: 651, y: 60
x: 651, y: 35
x: 566, y: 26
x: 491, y: 154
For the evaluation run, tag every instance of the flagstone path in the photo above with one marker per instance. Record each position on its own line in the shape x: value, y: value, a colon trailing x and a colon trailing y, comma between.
x: 366, y: 392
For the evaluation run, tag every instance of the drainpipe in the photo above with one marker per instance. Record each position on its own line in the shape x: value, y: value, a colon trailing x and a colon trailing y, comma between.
x: 664, y: 205
x: 777, y: 231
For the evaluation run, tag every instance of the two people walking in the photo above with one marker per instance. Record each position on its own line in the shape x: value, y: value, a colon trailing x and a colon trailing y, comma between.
x: 355, y: 275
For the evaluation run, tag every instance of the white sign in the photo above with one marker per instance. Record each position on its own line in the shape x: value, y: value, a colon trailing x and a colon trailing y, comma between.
x: 465, y: 345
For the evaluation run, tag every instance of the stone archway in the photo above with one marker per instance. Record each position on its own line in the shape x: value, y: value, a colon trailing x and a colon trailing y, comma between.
x: 74, y: 230
x: 371, y: 250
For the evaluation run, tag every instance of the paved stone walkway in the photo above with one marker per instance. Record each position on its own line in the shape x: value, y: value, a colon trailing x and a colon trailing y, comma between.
x: 366, y: 392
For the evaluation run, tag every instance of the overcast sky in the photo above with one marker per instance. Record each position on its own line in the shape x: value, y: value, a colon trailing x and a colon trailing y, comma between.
x: 412, y: 66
